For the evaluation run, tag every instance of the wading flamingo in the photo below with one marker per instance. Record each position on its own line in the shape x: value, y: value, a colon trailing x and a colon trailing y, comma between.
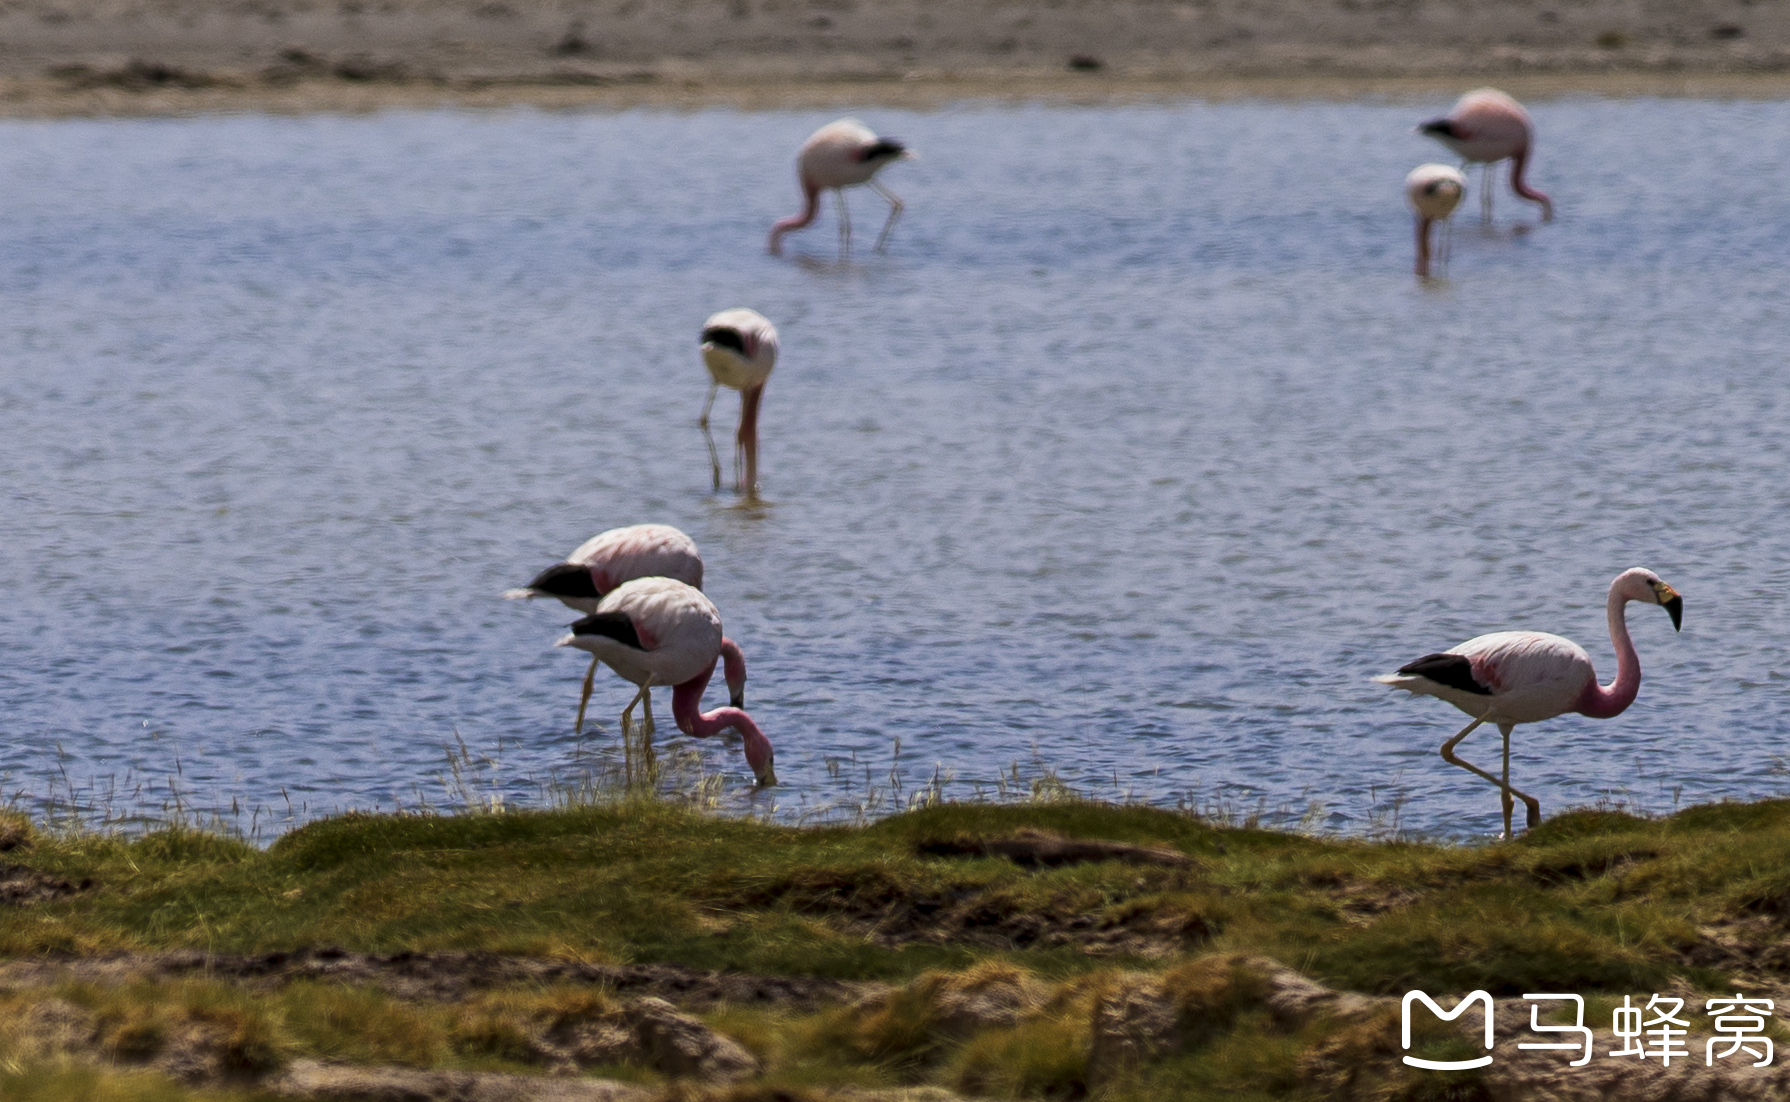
x: 1486, y: 127
x: 657, y: 631
x: 837, y: 156
x: 608, y: 559
x: 1512, y: 677
x: 740, y: 348
x: 1433, y: 192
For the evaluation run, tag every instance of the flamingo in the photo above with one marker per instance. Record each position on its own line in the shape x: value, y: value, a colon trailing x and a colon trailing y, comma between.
x: 1485, y: 127
x: 839, y: 155
x: 740, y: 348
x: 660, y: 631
x: 607, y: 560
x: 1433, y: 192
x: 1512, y: 677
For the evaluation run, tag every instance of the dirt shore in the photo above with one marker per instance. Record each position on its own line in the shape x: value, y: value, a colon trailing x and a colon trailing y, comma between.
x: 60, y: 57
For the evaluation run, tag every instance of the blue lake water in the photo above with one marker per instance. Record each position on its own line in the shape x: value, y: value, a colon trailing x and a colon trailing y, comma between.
x: 1134, y: 458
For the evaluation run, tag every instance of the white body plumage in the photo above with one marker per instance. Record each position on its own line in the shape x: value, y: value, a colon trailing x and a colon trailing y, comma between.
x: 609, y: 559
x: 665, y: 632
x: 739, y: 347
x: 1434, y: 191
x: 1532, y: 676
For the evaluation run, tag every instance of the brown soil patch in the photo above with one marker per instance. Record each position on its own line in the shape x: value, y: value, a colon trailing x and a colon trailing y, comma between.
x: 313, y: 1079
x: 21, y: 886
x: 442, y: 977
x: 1034, y: 849
x: 892, y: 913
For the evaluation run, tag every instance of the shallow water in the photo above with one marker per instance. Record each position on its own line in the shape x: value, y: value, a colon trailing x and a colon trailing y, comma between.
x: 1138, y: 454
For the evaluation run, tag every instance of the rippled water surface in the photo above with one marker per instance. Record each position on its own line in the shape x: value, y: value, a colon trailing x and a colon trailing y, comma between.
x: 1137, y: 455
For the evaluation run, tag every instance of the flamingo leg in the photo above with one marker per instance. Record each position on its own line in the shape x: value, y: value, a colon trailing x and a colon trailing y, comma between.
x: 1485, y: 193
x: 589, y: 680
x: 896, y: 206
x: 714, y: 456
x: 844, y: 225
x: 1448, y: 755
x: 650, y: 765
x: 1504, y: 780
x: 627, y: 731
x: 1531, y: 805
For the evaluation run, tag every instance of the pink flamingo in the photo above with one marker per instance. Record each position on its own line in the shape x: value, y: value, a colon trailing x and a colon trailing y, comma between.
x: 659, y: 631
x: 1433, y: 192
x: 607, y: 560
x: 839, y: 155
x: 1485, y: 127
x: 740, y: 348
x: 1512, y: 677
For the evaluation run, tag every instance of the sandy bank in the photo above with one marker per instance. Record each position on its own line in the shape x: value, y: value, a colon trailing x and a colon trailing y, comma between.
x: 130, y: 57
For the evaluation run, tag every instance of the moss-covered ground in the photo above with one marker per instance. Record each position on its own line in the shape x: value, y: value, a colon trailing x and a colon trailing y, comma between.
x: 1598, y: 903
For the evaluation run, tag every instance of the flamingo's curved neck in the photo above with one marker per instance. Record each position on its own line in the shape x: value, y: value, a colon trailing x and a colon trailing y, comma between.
x: 810, y: 208
x: 1522, y: 188
x: 686, y: 709
x: 1423, y: 245
x: 748, y: 436
x: 1604, y: 701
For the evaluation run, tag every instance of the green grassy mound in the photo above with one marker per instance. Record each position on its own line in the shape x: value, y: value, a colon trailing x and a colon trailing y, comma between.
x: 926, y: 912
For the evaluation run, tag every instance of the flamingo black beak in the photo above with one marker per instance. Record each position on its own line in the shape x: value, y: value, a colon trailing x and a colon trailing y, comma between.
x: 1675, y: 609
x: 738, y: 700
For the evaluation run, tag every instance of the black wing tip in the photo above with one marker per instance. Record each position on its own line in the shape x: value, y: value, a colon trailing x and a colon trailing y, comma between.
x: 1437, y: 128
x: 884, y: 147
x: 609, y: 625
x: 725, y: 336
x: 566, y: 579
x: 1453, y: 670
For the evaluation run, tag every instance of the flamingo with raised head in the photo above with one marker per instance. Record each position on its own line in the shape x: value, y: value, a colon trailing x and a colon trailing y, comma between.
x: 1512, y: 677
x: 658, y: 631
x: 739, y: 347
x: 1433, y: 191
x: 1486, y: 127
x: 839, y: 155
x: 607, y: 560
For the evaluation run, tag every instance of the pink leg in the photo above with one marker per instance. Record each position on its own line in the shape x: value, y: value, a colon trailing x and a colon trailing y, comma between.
x: 1448, y: 755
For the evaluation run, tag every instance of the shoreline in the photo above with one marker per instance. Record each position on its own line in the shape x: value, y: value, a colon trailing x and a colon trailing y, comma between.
x: 44, y: 99
x: 67, y: 58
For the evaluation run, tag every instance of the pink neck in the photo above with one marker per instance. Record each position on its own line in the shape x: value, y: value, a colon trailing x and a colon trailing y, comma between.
x: 686, y: 709
x: 1522, y: 188
x: 810, y: 208
x: 1423, y: 246
x: 733, y: 663
x: 748, y: 436
x: 1604, y: 701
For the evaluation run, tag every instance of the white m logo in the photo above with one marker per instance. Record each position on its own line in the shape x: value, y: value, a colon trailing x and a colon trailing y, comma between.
x: 1447, y: 1016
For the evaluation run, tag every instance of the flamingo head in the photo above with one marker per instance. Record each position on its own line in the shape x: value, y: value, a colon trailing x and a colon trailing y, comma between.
x: 762, y: 759
x: 733, y: 667
x: 1640, y: 584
